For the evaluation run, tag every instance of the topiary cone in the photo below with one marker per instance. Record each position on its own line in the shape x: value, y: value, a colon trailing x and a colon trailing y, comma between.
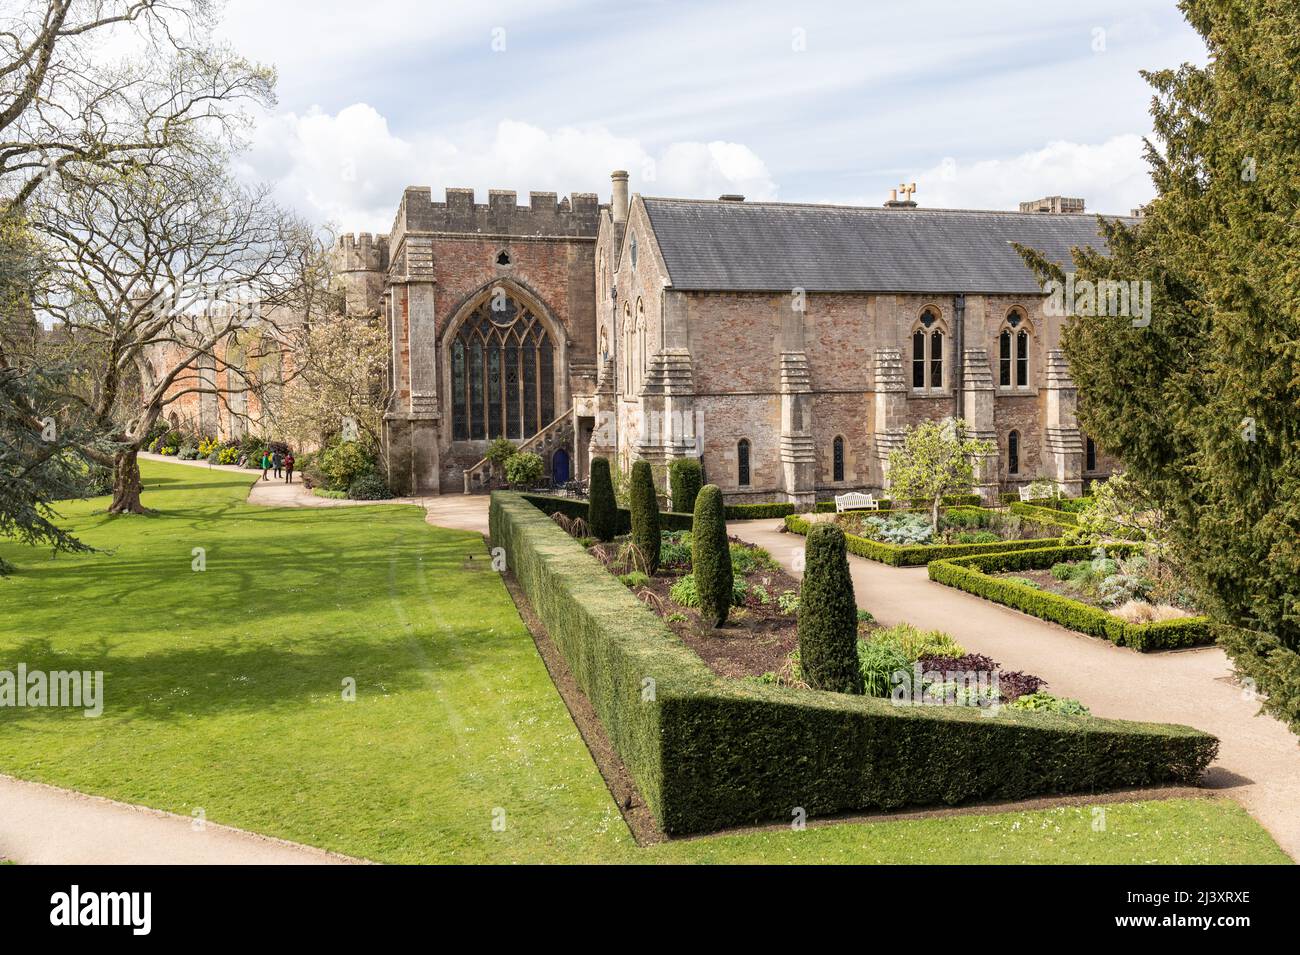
x: 645, y: 515
x: 711, y: 556
x: 828, y: 614
x: 685, y: 477
x: 602, y: 510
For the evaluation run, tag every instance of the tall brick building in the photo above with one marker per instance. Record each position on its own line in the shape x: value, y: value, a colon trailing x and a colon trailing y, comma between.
x: 788, y: 345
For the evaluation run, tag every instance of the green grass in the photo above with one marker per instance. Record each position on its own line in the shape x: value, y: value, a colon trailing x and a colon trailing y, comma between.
x: 223, y: 693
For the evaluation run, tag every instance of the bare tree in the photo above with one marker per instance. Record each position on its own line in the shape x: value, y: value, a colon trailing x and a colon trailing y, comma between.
x: 158, y: 275
x: 111, y: 83
x: 340, y: 356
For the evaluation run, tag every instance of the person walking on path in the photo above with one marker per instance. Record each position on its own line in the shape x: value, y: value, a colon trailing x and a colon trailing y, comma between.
x: 277, y: 461
x: 266, y: 463
x: 288, y: 468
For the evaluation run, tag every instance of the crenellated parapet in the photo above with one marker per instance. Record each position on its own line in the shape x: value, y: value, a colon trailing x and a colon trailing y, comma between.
x: 544, y: 215
x: 361, y: 252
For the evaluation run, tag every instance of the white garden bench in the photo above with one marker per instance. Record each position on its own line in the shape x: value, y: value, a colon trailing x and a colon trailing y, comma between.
x: 1029, y: 493
x: 855, y: 501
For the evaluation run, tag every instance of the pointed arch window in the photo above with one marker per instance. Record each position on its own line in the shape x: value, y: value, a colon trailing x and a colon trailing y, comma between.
x: 1013, y: 452
x: 641, y: 347
x: 502, y: 373
x: 927, y: 352
x: 1013, y: 351
x: 837, y: 459
x: 742, y: 462
x: 627, y: 348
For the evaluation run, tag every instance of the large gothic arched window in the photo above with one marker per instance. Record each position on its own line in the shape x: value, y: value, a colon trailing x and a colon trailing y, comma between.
x: 502, y: 373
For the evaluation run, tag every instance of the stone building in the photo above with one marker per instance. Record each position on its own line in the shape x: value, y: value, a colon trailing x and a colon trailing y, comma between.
x: 788, y: 345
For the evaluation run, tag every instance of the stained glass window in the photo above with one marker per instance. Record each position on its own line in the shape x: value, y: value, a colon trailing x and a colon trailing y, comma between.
x: 502, y: 373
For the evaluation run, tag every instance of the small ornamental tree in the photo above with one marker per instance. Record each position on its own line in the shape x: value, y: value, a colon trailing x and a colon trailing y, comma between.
x: 934, y: 461
x: 602, y: 512
x: 828, y: 614
x: 499, y: 452
x: 711, y: 556
x: 645, y: 515
x: 523, y: 469
x: 685, y: 477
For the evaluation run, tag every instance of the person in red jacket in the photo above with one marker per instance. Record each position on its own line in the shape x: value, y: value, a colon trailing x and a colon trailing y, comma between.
x: 288, y: 468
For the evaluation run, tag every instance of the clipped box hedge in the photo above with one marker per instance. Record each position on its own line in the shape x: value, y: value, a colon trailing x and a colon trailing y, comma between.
x: 950, y: 500
x: 1048, y: 515
x: 754, y: 512
x: 973, y: 575
x: 709, y: 753
x: 917, y: 555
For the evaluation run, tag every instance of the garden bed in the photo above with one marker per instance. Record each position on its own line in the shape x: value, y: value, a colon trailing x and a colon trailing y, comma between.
x: 1003, y: 578
x: 708, y: 752
x: 955, y: 542
x: 762, y: 629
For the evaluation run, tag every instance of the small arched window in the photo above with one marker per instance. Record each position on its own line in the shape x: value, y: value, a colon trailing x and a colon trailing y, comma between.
x: 1090, y: 455
x: 837, y: 459
x: 742, y: 462
x: 1013, y: 452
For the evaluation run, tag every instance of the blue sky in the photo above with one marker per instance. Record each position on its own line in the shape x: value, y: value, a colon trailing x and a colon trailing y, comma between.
x: 981, y: 103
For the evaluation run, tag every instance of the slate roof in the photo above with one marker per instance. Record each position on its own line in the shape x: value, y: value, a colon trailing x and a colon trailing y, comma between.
x: 769, y: 246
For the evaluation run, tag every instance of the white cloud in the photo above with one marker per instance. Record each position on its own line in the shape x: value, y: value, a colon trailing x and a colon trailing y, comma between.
x: 1112, y: 176
x: 350, y: 168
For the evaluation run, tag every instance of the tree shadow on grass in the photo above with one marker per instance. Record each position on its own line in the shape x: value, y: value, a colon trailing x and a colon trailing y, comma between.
x: 178, y: 684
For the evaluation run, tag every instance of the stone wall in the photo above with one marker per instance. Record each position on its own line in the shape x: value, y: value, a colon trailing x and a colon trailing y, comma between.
x: 441, y: 259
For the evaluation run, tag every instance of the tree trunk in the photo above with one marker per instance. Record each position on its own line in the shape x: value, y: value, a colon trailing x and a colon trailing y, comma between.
x: 934, y: 514
x: 126, y: 484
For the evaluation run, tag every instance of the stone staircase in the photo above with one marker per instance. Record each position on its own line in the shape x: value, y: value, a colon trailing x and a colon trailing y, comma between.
x: 483, y: 476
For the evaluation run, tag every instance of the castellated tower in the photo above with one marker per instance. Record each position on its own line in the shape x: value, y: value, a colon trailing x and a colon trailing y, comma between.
x: 360, y: 265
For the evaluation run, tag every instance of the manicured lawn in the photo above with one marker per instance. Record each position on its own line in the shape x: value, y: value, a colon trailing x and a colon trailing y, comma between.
x: 224, y: 693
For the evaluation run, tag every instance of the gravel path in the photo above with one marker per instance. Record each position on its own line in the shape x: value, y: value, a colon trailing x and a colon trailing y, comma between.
x: 1259, y: 759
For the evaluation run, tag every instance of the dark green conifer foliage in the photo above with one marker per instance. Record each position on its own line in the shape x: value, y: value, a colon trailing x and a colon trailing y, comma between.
x: 828, y: 614
x: 645, y: 515
x: 602, y: 513
x: 711, y: 556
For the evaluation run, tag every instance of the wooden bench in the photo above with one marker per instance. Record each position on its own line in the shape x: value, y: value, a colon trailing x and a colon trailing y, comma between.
x: 855, y: 501
x: 1028, y: 494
